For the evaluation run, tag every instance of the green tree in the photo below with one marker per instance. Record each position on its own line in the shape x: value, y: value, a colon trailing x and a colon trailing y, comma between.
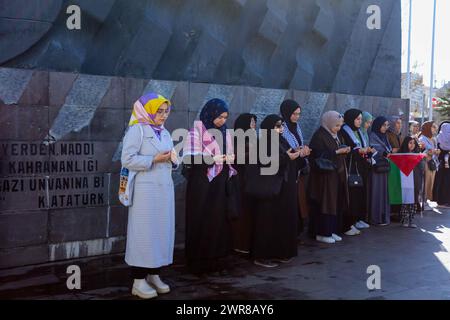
x: 442, y: 105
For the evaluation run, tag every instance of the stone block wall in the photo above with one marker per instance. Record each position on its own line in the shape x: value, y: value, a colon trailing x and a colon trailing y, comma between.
x: 60, y: 144
x: 310, y: 45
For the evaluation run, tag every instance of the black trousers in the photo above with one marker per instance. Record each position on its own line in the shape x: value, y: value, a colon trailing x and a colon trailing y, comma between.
x: 141, y: 273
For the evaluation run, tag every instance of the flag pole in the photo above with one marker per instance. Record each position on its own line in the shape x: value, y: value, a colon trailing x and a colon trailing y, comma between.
x: 408, y: 68
x: 430, y: 102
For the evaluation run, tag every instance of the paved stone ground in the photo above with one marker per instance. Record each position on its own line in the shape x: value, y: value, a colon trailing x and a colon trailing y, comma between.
x: 415, y: 264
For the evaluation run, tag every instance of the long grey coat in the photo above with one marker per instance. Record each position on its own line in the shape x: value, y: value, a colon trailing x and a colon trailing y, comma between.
x: 151, y: 218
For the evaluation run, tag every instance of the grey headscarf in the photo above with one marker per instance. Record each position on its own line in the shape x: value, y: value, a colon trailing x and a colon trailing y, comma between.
x: 330, y: 119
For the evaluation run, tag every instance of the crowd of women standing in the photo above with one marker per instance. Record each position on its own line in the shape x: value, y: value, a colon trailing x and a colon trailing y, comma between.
x: 331, y: 188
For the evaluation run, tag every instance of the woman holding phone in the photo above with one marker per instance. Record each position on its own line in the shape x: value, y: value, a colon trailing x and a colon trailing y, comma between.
x: 148, y: 150
x: 208, y: 156
x: 328, y: 188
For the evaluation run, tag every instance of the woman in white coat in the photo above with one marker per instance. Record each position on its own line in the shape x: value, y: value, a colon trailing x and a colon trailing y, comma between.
x: 148, y: 150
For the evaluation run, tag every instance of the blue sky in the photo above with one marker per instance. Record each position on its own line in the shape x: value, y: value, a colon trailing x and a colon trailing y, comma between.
x: 422, y: 17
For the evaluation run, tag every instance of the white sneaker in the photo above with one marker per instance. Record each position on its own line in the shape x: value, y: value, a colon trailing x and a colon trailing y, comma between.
x: 143, y: 290
x: 361, y: 225
x: 325, y: 239
x: 356, y: 229
x: 336, y: 237
x: 352, y: 232
x: 265, y: 263
x: 155, y: 281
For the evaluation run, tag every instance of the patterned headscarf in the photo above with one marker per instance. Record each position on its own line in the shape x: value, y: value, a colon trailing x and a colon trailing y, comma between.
x: 145, y: 108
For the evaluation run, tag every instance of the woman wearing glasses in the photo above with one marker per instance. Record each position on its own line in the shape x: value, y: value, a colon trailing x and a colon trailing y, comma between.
x: 380, y: 209
x: 275, y: 213
x: 290, y: 111
x: 148, y: 150
x: 358, y: 163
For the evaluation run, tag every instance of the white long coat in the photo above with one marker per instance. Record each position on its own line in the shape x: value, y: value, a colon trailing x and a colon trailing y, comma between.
x: 151, y: 218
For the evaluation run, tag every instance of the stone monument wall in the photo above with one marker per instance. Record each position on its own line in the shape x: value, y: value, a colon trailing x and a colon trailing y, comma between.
x: 60, y: 143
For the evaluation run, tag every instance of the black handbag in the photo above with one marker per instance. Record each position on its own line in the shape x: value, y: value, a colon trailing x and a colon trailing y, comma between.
x: 186, y: 170
x: 354, y: 180
x: 432, y: 165
x: 306, y: 170
x: 325, y: 164
x: 262, y: 186
x: 382, y: 166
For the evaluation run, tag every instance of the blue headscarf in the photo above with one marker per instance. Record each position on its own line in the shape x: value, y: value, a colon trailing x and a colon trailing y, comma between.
x: 210, y: 112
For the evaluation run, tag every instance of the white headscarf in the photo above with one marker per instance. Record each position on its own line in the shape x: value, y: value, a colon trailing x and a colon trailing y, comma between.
x: 443, y: 138
x: 330, y: 119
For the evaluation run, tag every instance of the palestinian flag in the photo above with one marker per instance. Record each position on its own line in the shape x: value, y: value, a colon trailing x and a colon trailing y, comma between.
x: 401, y: 177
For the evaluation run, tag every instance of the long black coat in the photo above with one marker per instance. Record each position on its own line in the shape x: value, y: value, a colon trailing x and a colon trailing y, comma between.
x: 276, y: 219
x: 208, y: 225
x: 441, y: 188
x: 358, y: 197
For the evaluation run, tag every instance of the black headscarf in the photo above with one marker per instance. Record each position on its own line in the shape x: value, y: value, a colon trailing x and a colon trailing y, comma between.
x: 243, y: 121
x: 376, y: 128
x: 210, y: 112
x: 404, y: 147
x: 349, y: 118
x: 287, y: 108
x: 268, y: 124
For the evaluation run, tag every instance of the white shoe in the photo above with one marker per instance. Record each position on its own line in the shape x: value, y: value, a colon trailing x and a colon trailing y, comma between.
x: 352, y: 232
x: 336, y: 237
x: 241, y: 251
x: 356, y: 229
x: 143, y: 290
x: 325, y: 239
x: 265, y: 263
x: 361, y: 225
x: 155, y: 281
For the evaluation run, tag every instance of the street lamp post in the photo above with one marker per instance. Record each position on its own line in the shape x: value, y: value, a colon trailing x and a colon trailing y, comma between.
x: 430, y: 102
x: 408, y: 71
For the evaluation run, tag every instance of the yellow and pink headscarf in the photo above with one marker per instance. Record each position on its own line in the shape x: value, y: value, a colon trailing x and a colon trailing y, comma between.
x: 145, y: 108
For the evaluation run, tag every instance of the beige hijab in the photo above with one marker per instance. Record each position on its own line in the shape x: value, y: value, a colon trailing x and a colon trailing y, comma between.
x: 330, y: 119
